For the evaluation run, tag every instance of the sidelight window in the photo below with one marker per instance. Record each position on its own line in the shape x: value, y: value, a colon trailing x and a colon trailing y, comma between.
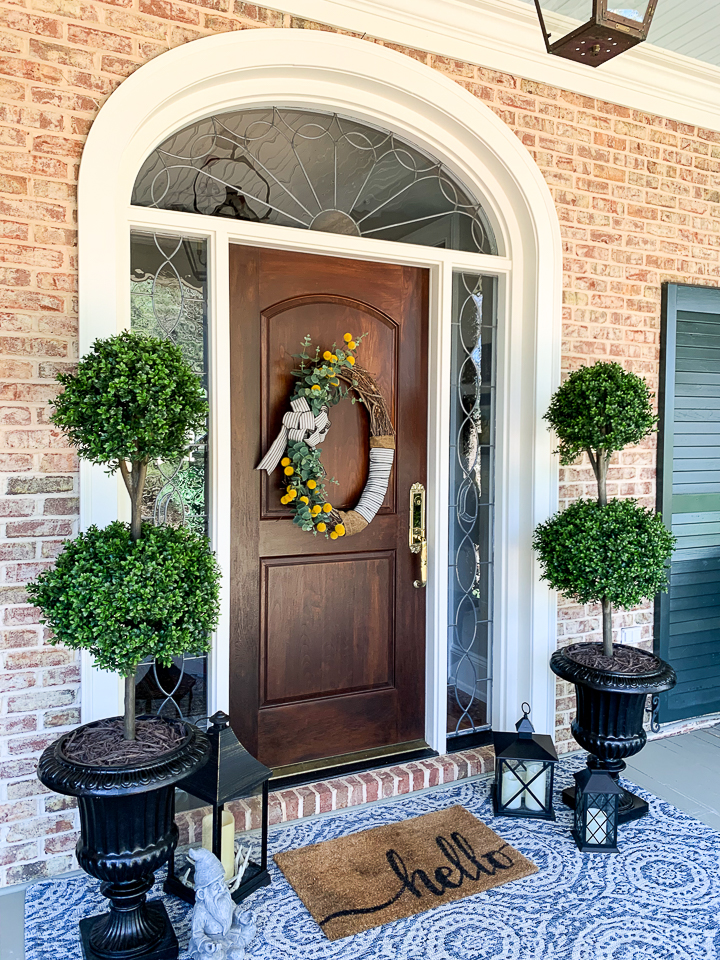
x: 472, y: 438
x: 168, y: 299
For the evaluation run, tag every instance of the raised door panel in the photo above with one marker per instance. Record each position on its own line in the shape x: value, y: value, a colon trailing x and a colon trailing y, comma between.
x: 307, y: 656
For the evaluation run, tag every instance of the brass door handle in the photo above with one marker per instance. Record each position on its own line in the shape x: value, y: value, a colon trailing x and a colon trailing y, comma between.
x: 418, y: 540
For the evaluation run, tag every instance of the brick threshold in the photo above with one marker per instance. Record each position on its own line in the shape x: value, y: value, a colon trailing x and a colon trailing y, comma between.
x: 341, y: 793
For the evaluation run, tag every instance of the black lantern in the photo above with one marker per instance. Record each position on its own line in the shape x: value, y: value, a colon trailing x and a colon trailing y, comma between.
x: 524, y: 772
x: 231, y: 773
x: 614, y: 27
x: 597, y: 799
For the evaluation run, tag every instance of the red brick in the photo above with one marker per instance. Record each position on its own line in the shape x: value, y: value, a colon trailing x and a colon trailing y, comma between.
x: 60, y: 843
x: 99, y: 39
x: 40, y: 528
x: 42, y: 72
x: 40, y: 827
x: 57, y: 676
x: 10, y: 725
x: 58, y: 146
x: 18, y: 639
x: 61, y: 718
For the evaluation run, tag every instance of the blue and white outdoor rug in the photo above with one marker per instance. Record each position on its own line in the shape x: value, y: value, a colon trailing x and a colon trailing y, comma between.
x: 658, y: 899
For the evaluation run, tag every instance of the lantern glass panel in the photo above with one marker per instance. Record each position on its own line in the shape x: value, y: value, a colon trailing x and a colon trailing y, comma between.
x: 634, y: 10
x: 596, y: 819
x: 525, y: 786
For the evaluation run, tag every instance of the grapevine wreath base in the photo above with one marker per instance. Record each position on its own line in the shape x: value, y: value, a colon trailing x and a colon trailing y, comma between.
x: 321, y: 382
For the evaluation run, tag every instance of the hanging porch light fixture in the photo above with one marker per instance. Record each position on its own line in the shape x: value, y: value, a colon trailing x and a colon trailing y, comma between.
x: 614, y: 27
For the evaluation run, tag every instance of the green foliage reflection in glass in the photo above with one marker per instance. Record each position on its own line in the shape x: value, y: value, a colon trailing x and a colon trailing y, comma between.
x: 168, y: 299
x: 129, y: 592
x: 615, y: 552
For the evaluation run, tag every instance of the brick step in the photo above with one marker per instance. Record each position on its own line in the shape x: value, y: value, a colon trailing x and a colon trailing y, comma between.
x: 341, y: 793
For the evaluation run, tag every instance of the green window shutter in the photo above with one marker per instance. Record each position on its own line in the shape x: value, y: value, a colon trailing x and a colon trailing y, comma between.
x: 687, y: 618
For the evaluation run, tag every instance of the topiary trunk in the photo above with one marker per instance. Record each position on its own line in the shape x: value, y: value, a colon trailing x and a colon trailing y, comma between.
x: 135, y: 483
x: 600, y: 461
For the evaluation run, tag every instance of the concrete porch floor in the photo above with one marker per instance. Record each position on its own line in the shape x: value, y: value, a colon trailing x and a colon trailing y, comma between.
x: 682, y: 769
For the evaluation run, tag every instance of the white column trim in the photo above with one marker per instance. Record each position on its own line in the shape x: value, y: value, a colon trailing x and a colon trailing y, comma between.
x: 327, y: 71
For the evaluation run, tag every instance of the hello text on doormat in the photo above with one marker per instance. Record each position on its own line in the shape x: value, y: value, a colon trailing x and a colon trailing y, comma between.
x: 367, y: 879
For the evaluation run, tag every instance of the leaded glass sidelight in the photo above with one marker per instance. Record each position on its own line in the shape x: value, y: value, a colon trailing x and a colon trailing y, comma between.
x: 472, y: 433
x: 314, y: 171
x: 168, y: 298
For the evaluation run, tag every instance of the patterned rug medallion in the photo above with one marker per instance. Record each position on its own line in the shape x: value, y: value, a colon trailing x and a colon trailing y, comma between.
x: 658, y: 899
x: 375, y: 876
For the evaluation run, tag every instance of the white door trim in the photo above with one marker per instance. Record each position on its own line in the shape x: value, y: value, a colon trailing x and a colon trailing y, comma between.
x: 323, y: 70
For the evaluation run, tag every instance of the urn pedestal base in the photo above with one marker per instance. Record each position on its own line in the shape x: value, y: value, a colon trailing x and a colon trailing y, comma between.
x: 165, y: 948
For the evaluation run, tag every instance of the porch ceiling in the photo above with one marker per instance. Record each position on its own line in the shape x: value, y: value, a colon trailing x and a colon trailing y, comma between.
x: 692, y: 29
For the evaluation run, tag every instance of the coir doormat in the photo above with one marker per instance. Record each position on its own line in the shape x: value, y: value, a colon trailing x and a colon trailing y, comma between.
x: 367, y: 879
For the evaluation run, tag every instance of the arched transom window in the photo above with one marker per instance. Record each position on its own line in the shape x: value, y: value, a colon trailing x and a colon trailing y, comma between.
x: 314, y: 171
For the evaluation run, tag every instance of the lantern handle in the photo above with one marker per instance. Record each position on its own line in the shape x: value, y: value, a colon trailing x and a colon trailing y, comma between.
x: 525, y: 707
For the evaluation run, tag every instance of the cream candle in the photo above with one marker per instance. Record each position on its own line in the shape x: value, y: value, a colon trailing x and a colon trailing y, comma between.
x: 596, y: 825
x: 511, y: 784
x: 538, y: 786
x: 227, y: 840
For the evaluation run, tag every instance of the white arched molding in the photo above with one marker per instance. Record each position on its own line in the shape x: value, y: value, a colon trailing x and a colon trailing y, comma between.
x: 356, y: 78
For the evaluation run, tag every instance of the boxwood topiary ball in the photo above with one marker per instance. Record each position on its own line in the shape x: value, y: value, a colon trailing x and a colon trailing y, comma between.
x: 125, y: 601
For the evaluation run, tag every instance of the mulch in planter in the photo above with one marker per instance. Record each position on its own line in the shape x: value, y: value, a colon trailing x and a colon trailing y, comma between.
x: 627, y: 660
x: 103, y: 744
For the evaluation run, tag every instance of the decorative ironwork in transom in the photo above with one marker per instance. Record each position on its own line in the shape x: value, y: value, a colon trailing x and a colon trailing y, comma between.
x: 314, y: 171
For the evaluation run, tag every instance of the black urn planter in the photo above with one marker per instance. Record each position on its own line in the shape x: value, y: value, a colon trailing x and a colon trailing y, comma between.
x: 127, y: 831
x: 610, y: 713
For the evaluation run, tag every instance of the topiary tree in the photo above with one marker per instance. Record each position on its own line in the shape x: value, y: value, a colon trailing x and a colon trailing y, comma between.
x: 616, y: 552
x: 128, y: 592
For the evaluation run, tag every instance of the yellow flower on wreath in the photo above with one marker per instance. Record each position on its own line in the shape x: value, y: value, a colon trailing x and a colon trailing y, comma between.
x: 347, y: 337
x: 322, y: 527
x: 315, y: 510
x: 288, y: 471
x: 285, y: 462
x: 333, y: 536
x: 334, y: 358
x: 327, y: 355
x: 311, y: 484
x: 351, y: 361
x: 316, y: 386
x: 352, y: 345
x: 327, y: 507
x: 340, y: 529
x: 304, y: 500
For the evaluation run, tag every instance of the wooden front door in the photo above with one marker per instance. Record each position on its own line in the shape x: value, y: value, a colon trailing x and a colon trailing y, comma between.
x: 327, y: 637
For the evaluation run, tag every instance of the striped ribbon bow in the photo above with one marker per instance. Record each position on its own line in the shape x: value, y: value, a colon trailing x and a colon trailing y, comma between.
x: 298, y: 424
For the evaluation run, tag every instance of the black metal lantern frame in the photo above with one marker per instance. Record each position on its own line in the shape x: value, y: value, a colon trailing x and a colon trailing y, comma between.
x: 231, y: 773
x: 597, y: 801
x: 606, y: 34
x: 524, y: 772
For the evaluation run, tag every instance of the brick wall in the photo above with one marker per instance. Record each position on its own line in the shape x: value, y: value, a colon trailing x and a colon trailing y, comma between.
x: 638, y: 199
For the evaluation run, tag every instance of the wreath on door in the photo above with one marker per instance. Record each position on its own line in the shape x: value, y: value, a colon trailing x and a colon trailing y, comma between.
x: 321, y: 382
